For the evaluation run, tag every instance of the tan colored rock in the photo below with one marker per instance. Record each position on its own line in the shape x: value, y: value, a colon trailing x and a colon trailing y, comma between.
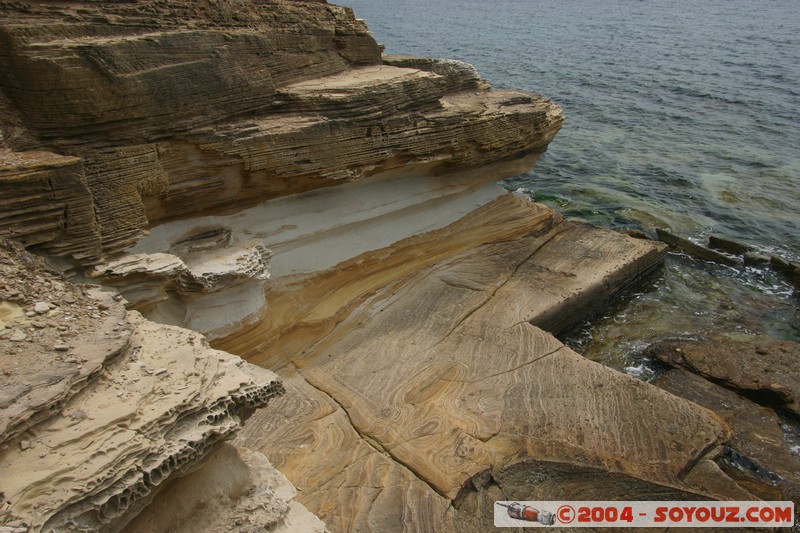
x: 366, y: 93
x: 143, y: 279
x: 275, y: 155
x: 210, y: 289
x: 236, y: 489
x: 109, y: 453
x: 349, y: 482
x: 88, y: 436
x: 175, y: 111
x: 46, y: 201
x: 460, y: 76
x: 759, y: 367
x: 410, y: 299
x: 130, y: 71
x: 35, y: 381
x: 757, y: 457
x: 427, y: 354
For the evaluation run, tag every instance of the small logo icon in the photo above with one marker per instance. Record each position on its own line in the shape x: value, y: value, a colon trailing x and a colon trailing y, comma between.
x: 517, y: 511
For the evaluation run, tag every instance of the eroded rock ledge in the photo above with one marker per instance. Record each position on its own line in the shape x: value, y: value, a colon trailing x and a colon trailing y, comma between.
x: 159, y: 112
x: 101, y: 410
x: 428, y: 386
x: 259, y: 173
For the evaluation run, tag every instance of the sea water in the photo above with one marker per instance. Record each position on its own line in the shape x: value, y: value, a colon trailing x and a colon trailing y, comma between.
x: 679, y: 115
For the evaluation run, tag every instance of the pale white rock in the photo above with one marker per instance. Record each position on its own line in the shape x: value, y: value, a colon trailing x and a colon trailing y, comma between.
x: 213, y: 286
x: 143, y: 279
x: 17, y: 335
x: 106, y: 458
x: 312, y: 231
x: 235, y: 490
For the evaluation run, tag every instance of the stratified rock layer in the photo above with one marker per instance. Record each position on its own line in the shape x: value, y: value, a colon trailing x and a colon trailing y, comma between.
x: 760, y: 368
x: 174, y: 110
x: 757, y: 457
x: 101, y: 409
x: 47, y: 203
x: 257, y: 171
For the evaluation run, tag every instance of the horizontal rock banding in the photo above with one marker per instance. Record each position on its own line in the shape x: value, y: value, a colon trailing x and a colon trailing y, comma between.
x: 100, y: 409
x: 174, y: 111
x: 258, y: 172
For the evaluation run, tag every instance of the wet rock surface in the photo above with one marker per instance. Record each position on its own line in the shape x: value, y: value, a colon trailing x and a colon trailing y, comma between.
x: 758, y: 457
x: 751, y: 383
x: 764, y: 370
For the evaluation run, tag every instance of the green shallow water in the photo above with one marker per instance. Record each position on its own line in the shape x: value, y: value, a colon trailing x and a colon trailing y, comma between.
x: 680, y: 115
x: 685, y: 298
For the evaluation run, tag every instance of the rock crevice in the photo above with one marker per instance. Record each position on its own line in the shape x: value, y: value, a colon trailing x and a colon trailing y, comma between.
x: 259, y: 173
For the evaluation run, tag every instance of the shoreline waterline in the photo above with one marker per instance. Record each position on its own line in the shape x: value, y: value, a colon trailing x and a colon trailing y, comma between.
x: 677, y: 117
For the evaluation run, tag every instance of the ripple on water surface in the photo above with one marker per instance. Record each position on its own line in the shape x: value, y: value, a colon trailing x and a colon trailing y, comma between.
x: 680, y: 115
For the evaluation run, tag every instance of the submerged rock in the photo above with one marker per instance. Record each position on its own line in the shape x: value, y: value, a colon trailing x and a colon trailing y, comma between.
x: 695, y: 250
x: 729, y: 246
x: 789, y: 269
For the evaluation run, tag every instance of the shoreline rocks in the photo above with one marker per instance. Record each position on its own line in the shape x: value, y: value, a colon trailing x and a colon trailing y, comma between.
x: 762, y: 369
x: 94, y: 426
x: 259, y: 172
x: 735, y: 254
x: 751, y: 384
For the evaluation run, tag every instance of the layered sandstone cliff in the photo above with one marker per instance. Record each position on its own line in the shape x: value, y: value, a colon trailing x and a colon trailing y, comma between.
x: 101, y: 410
x: 127, y: 115
x: 257, y: 172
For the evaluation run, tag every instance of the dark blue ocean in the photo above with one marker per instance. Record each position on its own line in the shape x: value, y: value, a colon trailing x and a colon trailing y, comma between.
x: 680, y: 114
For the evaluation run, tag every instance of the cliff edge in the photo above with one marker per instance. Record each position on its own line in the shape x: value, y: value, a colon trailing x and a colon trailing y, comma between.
x: 260, y: 175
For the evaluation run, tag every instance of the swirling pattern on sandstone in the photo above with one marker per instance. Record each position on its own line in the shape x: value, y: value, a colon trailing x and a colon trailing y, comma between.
x: 432, y: 356
x: 349, y: 483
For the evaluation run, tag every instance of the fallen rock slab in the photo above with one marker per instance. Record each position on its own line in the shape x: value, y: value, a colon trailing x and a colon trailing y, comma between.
x: 757, y: 457
x: 729, y: 246
x: 695, y: 250
x: 789, y: 269
x: 444, y: 393
x: 765, y: 370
